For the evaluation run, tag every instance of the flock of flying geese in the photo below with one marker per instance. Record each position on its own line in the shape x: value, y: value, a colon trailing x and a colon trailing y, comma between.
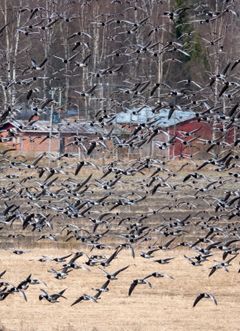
x: 114, y: 206
x: 91, y: 208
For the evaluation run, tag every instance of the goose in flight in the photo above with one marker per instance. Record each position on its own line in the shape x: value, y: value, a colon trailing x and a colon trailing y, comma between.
x: 66, y: 60
x: 88, y: 92
x: 158, y: 275
x: 87, y: 297
x: 204, y: 296
x: 144, y: 280
x: 107, y: 262
x: 61, y: 274
x: 36, y: 66
x: 136, y: 282
x: 52, y: 298
x: 103, y: 288
x: 220, y: 265
x: 148, y: 254
x: 78, y: 34
x: 112, y: 276
x: 164, y: 261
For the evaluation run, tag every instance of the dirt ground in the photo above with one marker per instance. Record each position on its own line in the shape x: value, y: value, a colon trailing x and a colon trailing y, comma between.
x: 165, y: 306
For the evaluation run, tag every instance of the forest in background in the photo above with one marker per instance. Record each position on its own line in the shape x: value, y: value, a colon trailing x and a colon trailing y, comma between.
x: 107, y: 55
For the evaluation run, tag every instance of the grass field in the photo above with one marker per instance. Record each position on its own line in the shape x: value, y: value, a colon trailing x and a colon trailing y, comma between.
x: 166, y: 306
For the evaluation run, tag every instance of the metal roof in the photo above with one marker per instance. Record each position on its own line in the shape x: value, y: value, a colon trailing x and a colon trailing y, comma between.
x: 39, y: 126
x: 23, y: 126
x: 144, y: 115
x: 80, y: 128
x: 15, y: 123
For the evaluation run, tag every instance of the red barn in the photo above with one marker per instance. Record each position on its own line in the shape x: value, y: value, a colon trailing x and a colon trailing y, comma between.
x: 35, y: 138
x: 181, y: 135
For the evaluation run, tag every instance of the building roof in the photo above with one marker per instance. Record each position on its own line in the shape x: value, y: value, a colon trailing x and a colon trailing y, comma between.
x: 14, y: 123
x: 144, y: 115
x: 64, y: 127
x: 80, y: 127
x: 39, y: 126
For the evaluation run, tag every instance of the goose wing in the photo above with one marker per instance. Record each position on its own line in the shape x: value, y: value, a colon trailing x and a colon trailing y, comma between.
x: 120, y: 270
x: 81, y: 298
x: 132, y: 286
x: 198, y: 298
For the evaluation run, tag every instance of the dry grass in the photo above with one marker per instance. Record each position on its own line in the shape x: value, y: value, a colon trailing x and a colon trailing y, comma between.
x: 167, y: 306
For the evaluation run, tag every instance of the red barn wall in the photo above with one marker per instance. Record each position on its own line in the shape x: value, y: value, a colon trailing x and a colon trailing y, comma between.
x: 179, y: 149
x: 205, y: 131
x: 31, y: 142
